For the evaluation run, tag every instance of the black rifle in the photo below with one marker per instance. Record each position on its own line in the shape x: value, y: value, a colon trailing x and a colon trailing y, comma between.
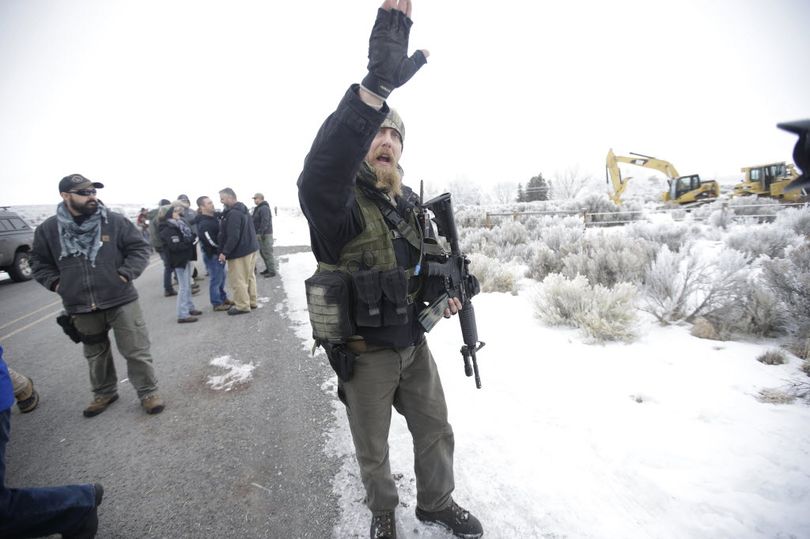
x: 458, y: 282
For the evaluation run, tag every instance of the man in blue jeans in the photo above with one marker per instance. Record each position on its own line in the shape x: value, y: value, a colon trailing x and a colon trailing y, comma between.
x: 208, y: 230
x: 70, y: 510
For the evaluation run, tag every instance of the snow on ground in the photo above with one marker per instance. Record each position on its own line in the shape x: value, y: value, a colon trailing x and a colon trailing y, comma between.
x: 661, y: 438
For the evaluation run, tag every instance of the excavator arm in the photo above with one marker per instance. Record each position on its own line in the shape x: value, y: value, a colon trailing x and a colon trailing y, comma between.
x: 614, y: 174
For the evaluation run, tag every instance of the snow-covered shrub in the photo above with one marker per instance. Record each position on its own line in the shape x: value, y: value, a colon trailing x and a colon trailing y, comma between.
x: 608, y: 257
x: 603, y: 314
x: 684, y: 286
x: 773, y: 357
x: 770, y: 240
x: 671, y: 234
x: 789, y: 279
x: 757, y: 210
x: 477, y: 240
x: 559, y: 300
x: 795, y: 219
x: 493, y: 276
x: 703, y: 329
x: 603, y: 208
x: 470, y: 216
x: 720, y: 218
x: 611, y: 315
x: 544, y: 260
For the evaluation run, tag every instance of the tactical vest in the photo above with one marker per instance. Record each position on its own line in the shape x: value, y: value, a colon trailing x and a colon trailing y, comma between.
x: 366, y: 287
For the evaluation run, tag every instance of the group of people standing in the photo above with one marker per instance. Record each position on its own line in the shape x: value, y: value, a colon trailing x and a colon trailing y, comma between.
x: 232, y: 237
x: 90, y: 257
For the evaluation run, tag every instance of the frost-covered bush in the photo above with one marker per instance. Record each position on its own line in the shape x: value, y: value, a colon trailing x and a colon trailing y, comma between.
x: 607, y: 257
x: 758, y: 210
x: 795, y: 219
x: 543, y: 261
x: 603, y: 208
x: 773, y: 357
x: 756, y: 240
x: 493, y: 276
x: 477, y: 240
x: 603, y: 314
x: 671, y: 234
x: 789, y: 279
x: 687, y: 285
x: 470, y: 216
x: 611, y: 315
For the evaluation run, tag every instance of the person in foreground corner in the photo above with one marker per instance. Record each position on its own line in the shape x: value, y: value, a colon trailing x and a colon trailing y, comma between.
x: 90, y: 256
x: 70, y: 510
x: 351, y: 193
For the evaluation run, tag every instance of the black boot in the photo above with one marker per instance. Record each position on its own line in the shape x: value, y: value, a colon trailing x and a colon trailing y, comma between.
x: 383, y: 526
x: 454, y: 518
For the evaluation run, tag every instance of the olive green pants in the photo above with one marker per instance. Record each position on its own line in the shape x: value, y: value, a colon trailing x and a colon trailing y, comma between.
x: 407, y: 379
x: 132, y: 339
x: 266, y: 250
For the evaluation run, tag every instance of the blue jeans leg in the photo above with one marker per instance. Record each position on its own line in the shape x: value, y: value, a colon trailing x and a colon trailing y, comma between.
x: 216, y: 280
x: 167, y: 272
x: 184, y: 304
x: 38, y: 512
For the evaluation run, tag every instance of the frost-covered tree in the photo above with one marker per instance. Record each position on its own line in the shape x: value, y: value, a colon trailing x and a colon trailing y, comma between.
x: 537, y: 188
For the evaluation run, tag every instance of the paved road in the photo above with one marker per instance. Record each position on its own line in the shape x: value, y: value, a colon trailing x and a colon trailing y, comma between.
x: 243, y: 463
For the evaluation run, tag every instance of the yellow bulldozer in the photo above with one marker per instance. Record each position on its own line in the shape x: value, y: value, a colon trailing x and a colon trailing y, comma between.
x: 682, y: 190
x: 769, y: 181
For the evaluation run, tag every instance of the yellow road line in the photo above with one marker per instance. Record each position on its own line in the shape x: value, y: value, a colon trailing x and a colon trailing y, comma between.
x: 30, y: 314
x: 151, y: 264
x: 35, y: 322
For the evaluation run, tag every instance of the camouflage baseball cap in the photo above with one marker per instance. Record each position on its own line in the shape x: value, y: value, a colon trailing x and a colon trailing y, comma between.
x: 395, y: 122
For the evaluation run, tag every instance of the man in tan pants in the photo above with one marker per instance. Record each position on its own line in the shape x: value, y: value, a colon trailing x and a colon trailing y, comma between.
x: 239, y: 246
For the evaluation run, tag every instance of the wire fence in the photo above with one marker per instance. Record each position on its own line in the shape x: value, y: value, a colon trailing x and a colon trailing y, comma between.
x: 623, y: 217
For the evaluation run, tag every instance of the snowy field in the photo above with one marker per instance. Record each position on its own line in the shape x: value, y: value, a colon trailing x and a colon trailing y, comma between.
x: 661, y: 438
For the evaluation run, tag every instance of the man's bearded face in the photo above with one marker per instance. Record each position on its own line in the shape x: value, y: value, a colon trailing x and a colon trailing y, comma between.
x: 383, y: 157
x: 83, y: 205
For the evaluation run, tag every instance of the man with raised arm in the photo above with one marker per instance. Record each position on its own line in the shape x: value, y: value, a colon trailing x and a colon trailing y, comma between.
x: 351, y: 193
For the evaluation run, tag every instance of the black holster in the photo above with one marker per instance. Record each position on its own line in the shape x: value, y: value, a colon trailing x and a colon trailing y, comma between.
x: 70, y: 330
x: 66, y: 322
x: 341, y: 360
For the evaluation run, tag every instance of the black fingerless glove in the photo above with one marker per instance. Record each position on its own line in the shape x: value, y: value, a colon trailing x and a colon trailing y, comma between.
x: 388, y: 64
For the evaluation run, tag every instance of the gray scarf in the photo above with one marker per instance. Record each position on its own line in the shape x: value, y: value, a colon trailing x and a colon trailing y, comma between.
x: 83, y: 239
x: 184, y: 228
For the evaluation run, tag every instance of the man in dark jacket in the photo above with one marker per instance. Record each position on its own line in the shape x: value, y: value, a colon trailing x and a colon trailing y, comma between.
x: 351, y: 203
x: 263, y: 223
x: 208, y: 228
x: 238, y: 245
x: 154, y: 217
x: 90, y: 257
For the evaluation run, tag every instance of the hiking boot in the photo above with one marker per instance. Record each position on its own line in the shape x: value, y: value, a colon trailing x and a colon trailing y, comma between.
x: 454, y: 518
x: 28, y: 405
x: 228, y: 302
x: 265, y: 272
x: 99, y: 404
x: 254, y: 306
x: 221, y: 307
x: 27, y: 398
x: 234, y: 311
x: 187, y: 320
x: 169, y: 293
x: 384, y: 526
x: 152, y: 404
x: 195, y: 312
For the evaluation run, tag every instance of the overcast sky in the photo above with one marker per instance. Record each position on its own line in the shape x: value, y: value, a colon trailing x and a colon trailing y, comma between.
x: 161, y: 97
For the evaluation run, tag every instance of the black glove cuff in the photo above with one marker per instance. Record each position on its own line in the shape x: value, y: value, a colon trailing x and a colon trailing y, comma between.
x: 376, y: 86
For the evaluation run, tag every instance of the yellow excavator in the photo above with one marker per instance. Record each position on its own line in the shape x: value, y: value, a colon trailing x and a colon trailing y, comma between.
x: 682, y: 189
x: 768, y: 180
